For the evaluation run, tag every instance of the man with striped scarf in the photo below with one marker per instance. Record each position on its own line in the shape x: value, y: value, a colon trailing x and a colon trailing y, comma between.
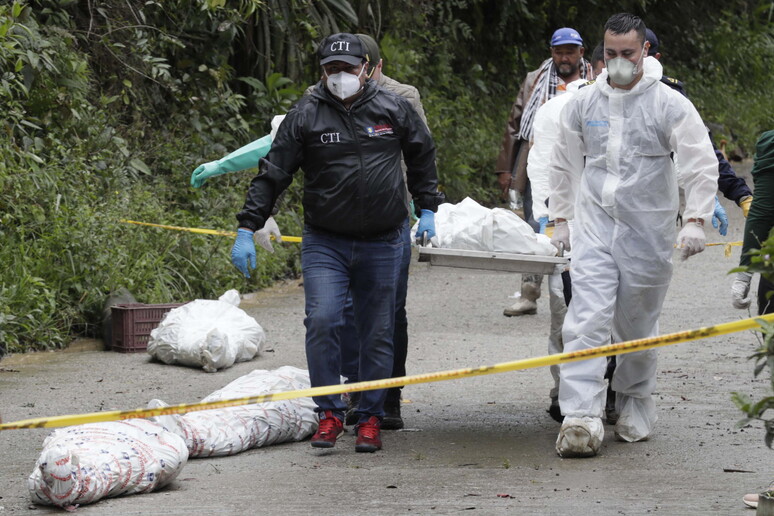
x: 565, y: 65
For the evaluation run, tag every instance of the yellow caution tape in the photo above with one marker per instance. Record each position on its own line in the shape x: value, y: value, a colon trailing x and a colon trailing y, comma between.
x: 203, y: 231
x: 727, y: 247
x: 529, y: 363
x: 726, y: 244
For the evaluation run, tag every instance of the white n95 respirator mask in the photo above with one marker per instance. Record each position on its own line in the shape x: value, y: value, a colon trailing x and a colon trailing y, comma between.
x: 622, y: 71
x: 343, y: 85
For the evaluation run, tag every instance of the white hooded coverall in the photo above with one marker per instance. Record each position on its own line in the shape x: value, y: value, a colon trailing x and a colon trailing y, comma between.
x: 545, y: 133
x: 611, y: 172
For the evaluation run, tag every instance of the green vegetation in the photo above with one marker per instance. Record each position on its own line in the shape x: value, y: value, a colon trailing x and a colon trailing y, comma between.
x: 109, y: 105
x: 761, y: 262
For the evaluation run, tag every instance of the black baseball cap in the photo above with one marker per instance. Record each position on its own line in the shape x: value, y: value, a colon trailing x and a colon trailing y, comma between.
x: 651, y: 38
x: 342, y: 47
x: 371, y: 48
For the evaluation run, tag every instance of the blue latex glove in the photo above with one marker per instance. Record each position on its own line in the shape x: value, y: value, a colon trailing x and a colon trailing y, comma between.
x: 243, y: 252
x: 427, y: 225
x: 720, y: 217
x: 543, y: 221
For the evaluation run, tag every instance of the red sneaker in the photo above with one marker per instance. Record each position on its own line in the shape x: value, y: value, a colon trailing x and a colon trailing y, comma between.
x: 329, y: 430
x: 368, y: 435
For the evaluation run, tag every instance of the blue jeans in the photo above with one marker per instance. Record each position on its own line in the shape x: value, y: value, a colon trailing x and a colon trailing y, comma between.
x: 335, y: 266
x: 350, y: 343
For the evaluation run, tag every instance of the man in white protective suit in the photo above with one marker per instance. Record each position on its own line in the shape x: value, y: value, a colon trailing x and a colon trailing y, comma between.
x: 611, y: 172
x: 545, y: 133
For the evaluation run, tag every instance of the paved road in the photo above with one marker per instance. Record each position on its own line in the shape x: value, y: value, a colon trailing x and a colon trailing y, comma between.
x: 483, y: 444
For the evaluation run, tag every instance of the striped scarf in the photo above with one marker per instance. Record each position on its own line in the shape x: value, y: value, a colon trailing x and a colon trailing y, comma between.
x: 545, y: 89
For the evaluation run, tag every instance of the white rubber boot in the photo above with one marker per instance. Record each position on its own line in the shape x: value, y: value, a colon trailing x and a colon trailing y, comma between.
x: 637, y: 418
x: 580, y: 437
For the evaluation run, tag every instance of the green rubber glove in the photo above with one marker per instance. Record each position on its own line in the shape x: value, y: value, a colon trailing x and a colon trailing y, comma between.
x: 204, y: 171
x: 241, y: 159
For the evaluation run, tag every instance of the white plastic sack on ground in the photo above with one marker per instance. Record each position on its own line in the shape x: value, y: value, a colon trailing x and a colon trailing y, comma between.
x: 470, y: 226
x: 83, y: 464
x: 207, y: 333
x: 233, y: 430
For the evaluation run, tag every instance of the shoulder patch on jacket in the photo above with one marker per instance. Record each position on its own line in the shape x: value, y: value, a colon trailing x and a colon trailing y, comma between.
x: 587, y: 83
x: 675, y: 84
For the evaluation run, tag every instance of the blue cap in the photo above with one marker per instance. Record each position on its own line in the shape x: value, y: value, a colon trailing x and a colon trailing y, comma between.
x: 566, y: 36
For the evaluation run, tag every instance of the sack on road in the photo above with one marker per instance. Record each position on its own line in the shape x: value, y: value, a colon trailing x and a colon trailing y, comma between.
x: 212, y: 334
x: 232, y: 430
x: 85, y: 463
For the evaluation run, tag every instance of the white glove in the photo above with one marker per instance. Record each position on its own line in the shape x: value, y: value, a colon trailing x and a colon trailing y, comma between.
x: 263, y: 236
x: 515, y: 199
x: 691, y: 239
x: 561, y: 235
x: 740, y: 289
x: 275, y: 123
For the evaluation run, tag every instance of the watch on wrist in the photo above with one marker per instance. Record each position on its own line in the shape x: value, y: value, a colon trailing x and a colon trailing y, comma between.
x: 698, y: 222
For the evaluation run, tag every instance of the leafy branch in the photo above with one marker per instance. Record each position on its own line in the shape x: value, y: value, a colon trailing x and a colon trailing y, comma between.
x: 761, y: 262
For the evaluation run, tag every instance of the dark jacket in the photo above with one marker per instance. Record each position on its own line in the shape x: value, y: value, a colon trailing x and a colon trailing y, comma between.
x: 353, y: 183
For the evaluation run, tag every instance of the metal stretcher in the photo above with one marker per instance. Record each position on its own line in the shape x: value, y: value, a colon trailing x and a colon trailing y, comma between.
x: 489, y: 260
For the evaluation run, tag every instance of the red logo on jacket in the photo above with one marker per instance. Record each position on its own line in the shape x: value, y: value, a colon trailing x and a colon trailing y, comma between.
x: 379, y: 130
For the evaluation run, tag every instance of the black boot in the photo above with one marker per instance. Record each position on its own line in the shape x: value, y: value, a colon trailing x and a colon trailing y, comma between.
x: 554, y: 411
x: 351, y: 417
x: 611, y: 414
x: 392, y: 419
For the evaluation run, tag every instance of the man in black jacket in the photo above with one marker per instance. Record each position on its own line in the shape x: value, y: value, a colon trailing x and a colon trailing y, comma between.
x: 347, y: 136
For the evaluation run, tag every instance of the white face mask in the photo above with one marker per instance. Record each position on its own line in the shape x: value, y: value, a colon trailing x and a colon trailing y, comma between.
x: 343, y: 85
x: 622, y: 71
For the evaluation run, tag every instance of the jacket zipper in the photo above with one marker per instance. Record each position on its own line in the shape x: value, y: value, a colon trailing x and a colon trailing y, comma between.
x: 361, y: 175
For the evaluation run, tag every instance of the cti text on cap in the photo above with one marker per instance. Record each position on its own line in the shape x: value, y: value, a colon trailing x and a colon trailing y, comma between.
x: 342, y: 46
